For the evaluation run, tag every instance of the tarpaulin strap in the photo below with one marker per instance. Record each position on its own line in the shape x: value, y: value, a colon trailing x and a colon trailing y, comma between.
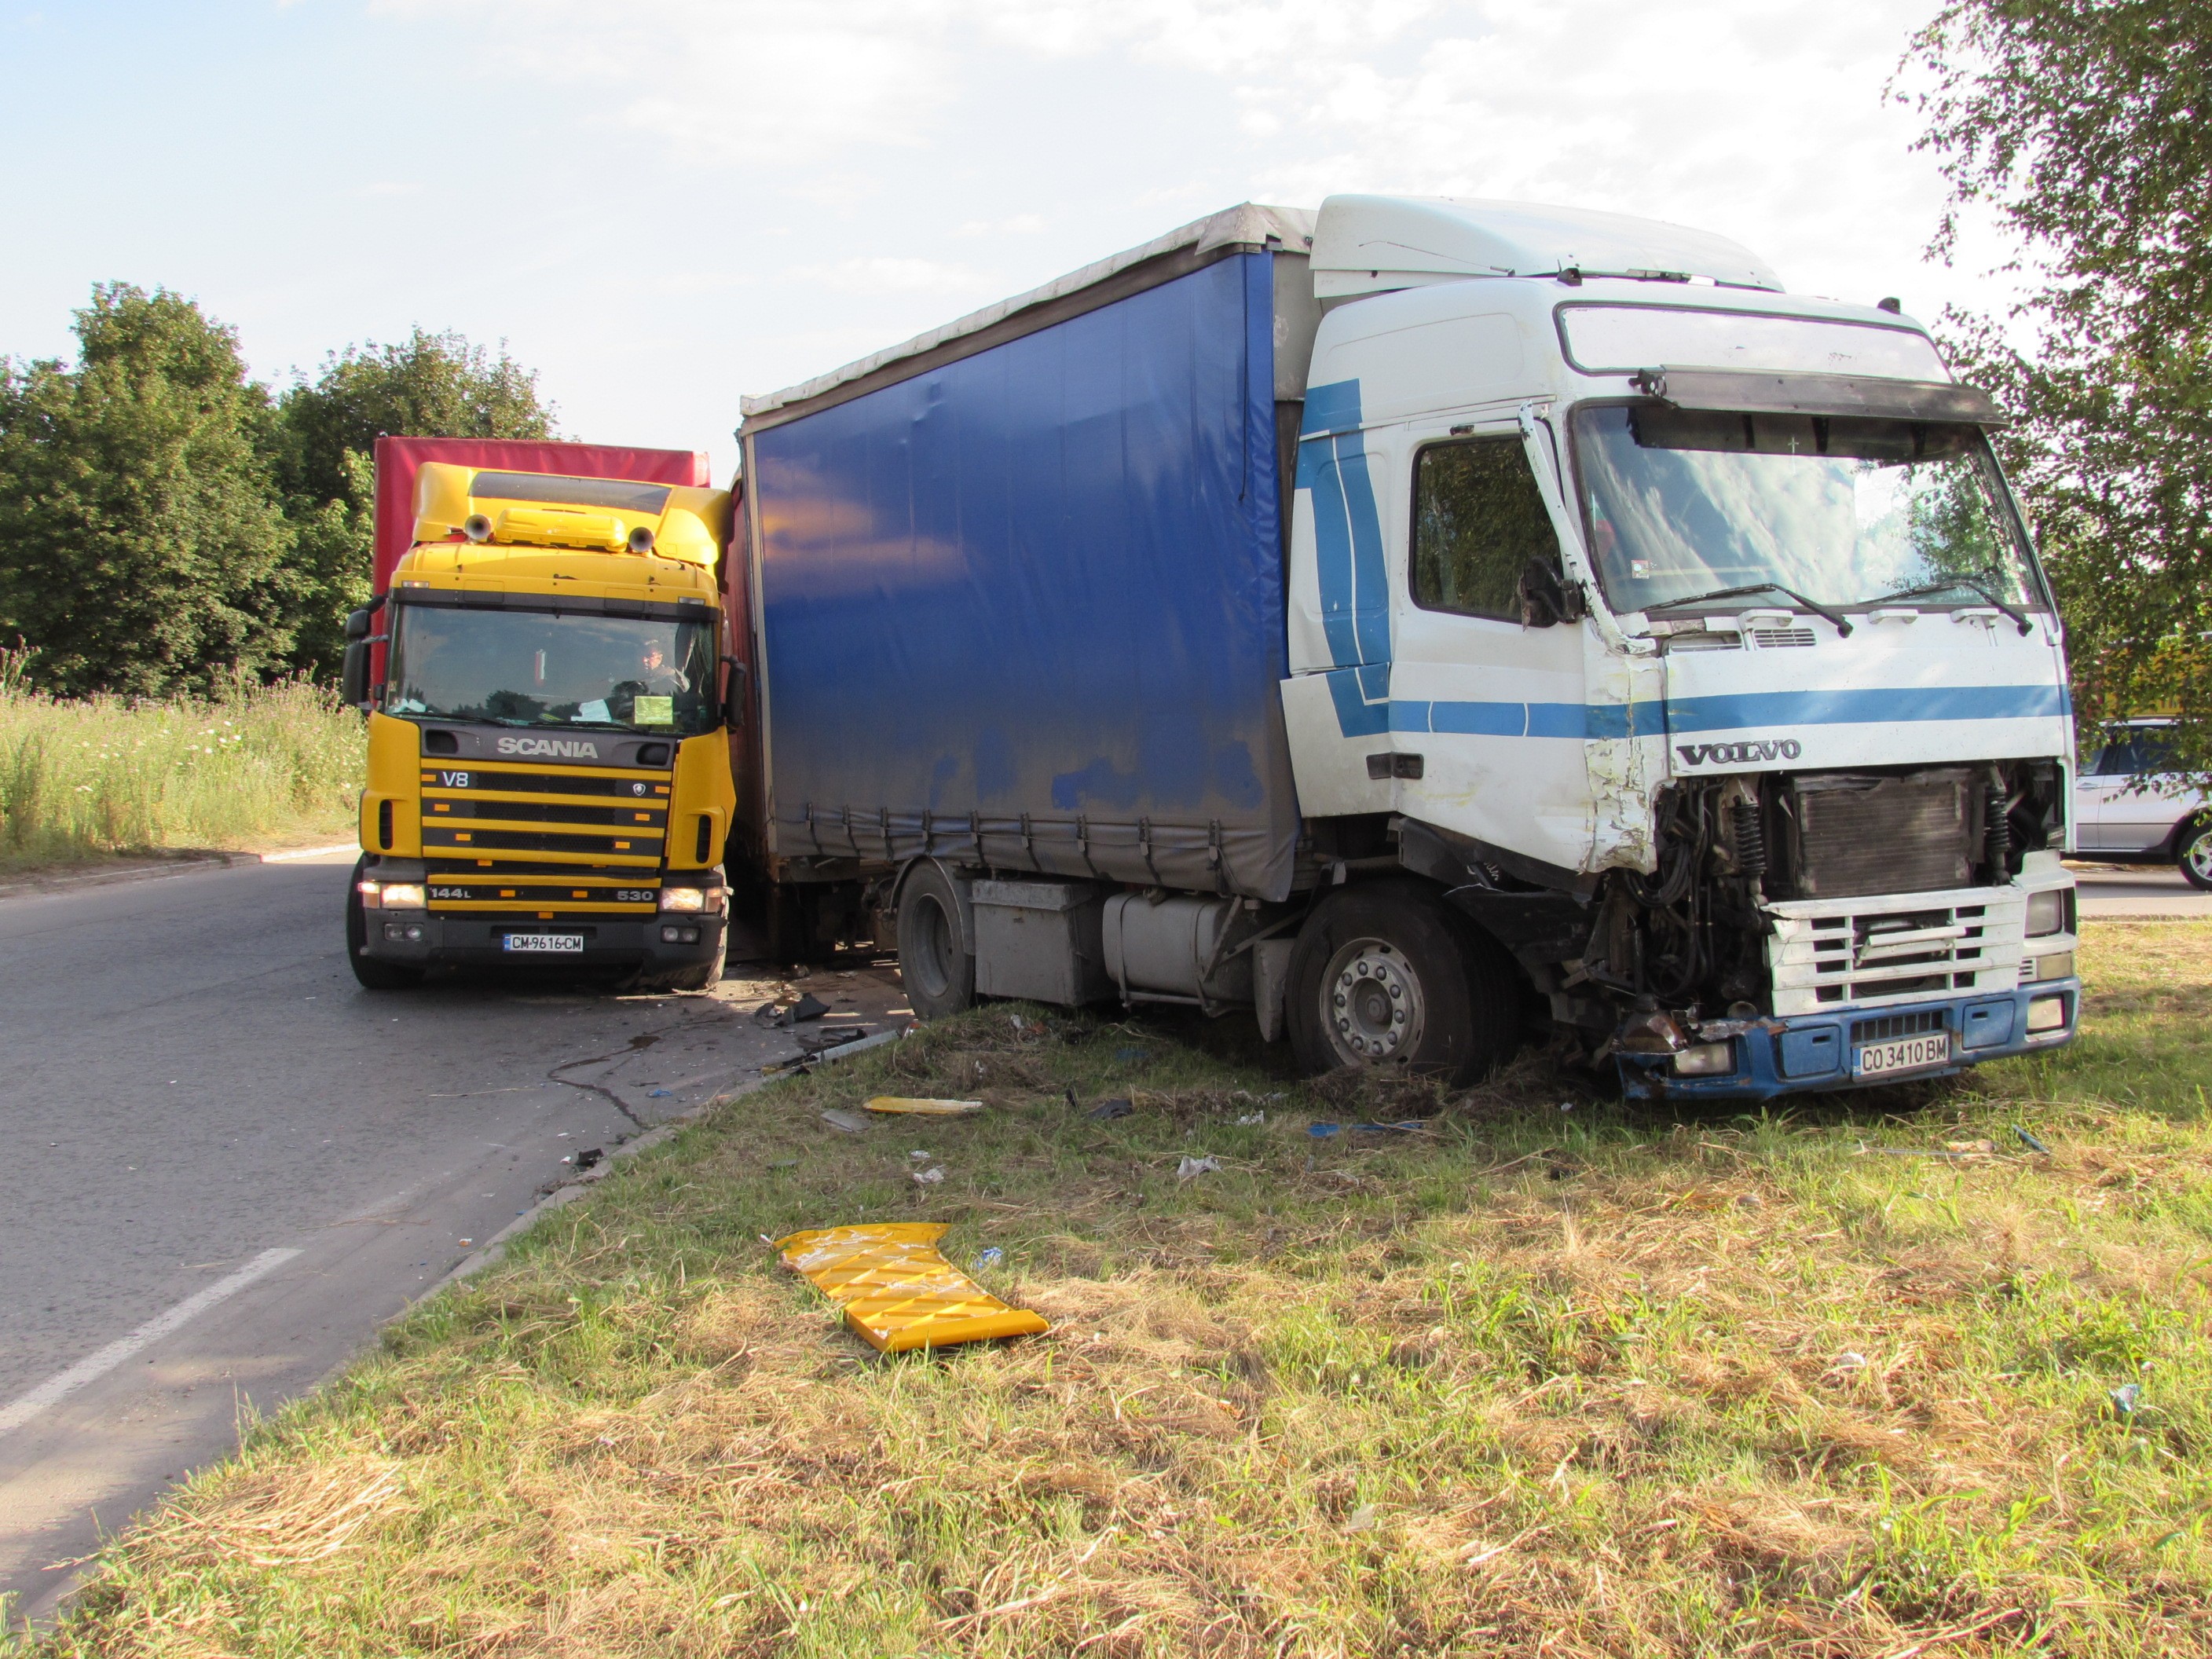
x: 976, y: 835
x: 884, y: 817
x: 1145, y: 846
x: 813, y: 834
x: 845, y: 818
x: 929, y: 833
x: 1029, y: 845
x: 1082, y: 841
x: 1217, y: 856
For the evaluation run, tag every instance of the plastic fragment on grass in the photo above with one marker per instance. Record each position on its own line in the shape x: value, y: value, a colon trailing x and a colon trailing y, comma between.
x: 1198, y: 1166
x: 919, y: 1107
x: 1106, y: 1110
x: 897, y: 1291
x: 930, y: 1177
x: 2030, y: 1141
x: 851, y: 1122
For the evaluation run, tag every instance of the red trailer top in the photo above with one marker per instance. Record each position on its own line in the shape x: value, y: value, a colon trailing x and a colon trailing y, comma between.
x: 398, y: 459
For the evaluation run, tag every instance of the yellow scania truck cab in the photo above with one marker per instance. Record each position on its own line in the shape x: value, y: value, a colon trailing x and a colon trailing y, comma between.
x: 548, y: 776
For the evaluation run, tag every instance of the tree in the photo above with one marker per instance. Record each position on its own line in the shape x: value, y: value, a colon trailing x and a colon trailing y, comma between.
x: 2080, y: 126
x: 321, y: 442
x: 140, y: 538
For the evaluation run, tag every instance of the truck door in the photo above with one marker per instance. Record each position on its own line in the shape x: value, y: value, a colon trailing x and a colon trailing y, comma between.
x: 1494, y: 710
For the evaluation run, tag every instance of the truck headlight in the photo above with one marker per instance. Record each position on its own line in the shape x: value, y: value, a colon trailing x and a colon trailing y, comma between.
x: 705, y: 901
x: 2047, y: 912
x: 2046, y: 1014
x: 1706, y: 1059
x: 404, y: 896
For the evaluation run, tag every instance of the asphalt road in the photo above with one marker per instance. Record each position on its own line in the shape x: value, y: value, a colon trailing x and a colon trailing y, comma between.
x: 2148, y: 891
x: 226, y: 1165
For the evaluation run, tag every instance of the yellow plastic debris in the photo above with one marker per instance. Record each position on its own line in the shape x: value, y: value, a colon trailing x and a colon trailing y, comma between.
x: 924, y: 1108
x: 897, y: 1291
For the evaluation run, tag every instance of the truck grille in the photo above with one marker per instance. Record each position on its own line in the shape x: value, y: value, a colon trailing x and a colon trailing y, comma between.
x: 1860, y: 835
x: 1823, y: 952
x: 519, y: 843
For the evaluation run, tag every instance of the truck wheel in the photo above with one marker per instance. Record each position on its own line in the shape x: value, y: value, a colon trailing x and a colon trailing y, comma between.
x: 1382, y: 974
x: 938, y: 973
x: 373, y: 975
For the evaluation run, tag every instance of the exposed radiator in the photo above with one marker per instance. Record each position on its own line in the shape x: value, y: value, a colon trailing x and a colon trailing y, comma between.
x: 1858, y: 834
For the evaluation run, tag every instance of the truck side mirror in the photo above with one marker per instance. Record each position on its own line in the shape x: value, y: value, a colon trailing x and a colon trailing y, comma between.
x: 1546, y: 600
x: 358, y: 622
x: 353, y: 676
x: 733, y: 695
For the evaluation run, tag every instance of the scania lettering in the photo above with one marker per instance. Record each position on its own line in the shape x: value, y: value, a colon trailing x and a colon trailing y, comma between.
x: 1436, y: 626
x: 548, y: 586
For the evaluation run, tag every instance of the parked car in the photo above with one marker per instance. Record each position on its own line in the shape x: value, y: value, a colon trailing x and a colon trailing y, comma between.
x: 2132, y: 806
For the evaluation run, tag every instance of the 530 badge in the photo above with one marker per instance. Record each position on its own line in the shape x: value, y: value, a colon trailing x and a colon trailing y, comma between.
x: 1739, y: 754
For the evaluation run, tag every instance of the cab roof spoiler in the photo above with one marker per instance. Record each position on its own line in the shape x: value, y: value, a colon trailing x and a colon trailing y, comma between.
x: 1766, y: 393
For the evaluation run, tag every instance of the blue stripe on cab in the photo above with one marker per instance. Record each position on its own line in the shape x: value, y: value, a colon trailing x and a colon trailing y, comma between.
x: 1867, y: 705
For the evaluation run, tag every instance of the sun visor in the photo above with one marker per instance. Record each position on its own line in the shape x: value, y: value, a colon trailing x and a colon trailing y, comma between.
x: 1751, y: 393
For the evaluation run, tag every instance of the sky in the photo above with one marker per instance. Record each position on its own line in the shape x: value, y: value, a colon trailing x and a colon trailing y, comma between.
x: 661, y: 204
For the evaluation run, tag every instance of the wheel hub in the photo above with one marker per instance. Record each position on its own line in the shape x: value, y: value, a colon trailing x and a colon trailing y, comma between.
x: 1373, y: 1007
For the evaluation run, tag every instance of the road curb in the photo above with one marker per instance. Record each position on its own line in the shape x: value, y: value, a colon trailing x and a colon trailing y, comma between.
x: 157, y: 870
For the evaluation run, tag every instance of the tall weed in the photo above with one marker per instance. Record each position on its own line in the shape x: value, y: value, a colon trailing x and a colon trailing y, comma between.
x: 82, y: 779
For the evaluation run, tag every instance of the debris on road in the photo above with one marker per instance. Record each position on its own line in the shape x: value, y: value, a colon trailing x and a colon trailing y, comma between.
x: 589, y: 1155
x: 809, y: 1006
x: 897, y: 1291
x: 922, y: 1107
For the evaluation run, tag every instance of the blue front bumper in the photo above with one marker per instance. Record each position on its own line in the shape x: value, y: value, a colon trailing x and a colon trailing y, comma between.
x: 1809, y: 1052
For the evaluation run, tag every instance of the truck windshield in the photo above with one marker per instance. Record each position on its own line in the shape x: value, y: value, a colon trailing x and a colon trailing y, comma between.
x: 534, y: 668
x: 1844, y: 511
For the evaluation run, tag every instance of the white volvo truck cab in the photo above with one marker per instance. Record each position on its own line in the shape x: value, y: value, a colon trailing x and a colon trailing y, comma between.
x: 1686, y: 632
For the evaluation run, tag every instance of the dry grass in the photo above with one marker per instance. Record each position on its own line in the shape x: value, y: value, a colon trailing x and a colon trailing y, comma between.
x: 1531, y: 1381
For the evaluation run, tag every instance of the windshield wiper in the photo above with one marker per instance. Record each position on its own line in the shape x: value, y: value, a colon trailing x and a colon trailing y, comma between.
x: 2019, y: 618
x: 1842, y: 623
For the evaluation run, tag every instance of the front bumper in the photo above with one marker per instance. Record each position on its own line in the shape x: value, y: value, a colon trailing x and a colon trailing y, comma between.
x: 1808, y: 1053
x: 477, y: 941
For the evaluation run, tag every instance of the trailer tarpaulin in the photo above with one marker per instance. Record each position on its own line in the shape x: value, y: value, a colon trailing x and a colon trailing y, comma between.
x: 1025, y: 609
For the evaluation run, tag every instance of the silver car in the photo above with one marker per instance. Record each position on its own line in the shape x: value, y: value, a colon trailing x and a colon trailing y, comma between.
x: 2132, y: 807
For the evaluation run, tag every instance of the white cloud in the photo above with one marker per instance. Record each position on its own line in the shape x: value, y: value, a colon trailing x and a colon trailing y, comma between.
x: 889, y: 274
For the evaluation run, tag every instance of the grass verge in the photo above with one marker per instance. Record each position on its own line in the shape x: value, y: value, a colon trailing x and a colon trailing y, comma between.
x: 85, y: 780
x: 1869, y: 1377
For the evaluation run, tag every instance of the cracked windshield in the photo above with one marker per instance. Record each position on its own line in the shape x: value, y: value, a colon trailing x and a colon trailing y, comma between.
x: 532, y: 668
x: 1844, y: 511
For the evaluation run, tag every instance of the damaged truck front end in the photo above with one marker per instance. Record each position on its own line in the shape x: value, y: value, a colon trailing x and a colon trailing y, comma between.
x: 1820, y: 930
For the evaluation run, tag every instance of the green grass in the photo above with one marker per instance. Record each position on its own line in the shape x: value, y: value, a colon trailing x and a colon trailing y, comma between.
x: 82, y: 780
x: 1567, y: 1382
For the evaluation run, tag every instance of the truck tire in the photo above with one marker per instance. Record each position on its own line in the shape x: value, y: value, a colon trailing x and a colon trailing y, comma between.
x: 1381, y: 975
x: 935, y: 964
x: 2193, y: 858
x: 373, y: 975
